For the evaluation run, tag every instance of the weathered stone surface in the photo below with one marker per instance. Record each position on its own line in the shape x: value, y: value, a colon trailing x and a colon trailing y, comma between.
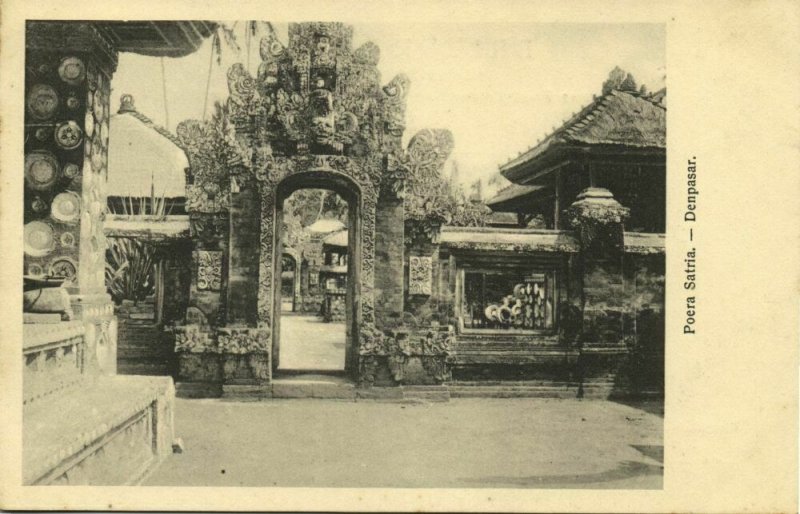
x: 245, y: 392
x: 380, y: 393
x: 198, y: 389
x: 199, y: 367
x: 109, y: 432
x: 250, y: 368
x: 291, y: 390
x: 389, y: 256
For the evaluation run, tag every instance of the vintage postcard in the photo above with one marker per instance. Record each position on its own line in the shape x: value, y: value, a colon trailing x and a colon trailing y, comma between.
x: 439, y: 256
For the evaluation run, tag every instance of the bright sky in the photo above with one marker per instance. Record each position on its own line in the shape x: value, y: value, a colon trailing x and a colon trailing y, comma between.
x: 498, y: 87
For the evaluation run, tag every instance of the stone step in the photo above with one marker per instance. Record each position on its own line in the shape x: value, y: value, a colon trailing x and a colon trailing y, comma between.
x: 510, y: 383
x: 501, y: 393
x: 148, y: 369
x: 144, y: 353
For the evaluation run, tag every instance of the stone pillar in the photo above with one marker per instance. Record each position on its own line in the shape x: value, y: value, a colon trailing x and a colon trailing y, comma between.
x: 389, y: 260
x: 68, y: 86
x: 196, y: 345
x: 422, y: 293
x: 599, y: 220
x: 245, y: 229
x: 242, y: 345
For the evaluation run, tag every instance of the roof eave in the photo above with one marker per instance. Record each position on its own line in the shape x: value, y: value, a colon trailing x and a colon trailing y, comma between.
x: 532, y: 171
x: 521, y: 202
x: 525, y: 172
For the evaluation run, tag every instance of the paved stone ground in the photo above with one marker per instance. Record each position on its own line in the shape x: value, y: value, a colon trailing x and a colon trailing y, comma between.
x: 481, y: 442
x: 308, y: 343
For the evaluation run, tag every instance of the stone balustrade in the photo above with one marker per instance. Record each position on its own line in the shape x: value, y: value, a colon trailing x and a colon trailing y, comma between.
x: 53, y: 357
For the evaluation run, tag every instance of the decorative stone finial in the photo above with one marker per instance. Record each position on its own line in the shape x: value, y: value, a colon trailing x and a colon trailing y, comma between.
x: 126, y: 104
x: 596, y: 212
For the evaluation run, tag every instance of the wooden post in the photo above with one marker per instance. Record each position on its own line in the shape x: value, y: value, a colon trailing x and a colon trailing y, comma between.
x: 557, y: 201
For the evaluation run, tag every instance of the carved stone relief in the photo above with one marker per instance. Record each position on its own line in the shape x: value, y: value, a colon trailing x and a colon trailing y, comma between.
x: 420, y: 275
x: 209, y: 270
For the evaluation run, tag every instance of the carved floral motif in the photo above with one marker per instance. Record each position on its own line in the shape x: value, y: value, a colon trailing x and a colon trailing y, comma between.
x: 193, y: 339
x: 398, y: 342
x: 208, y: 227
x: 196, y: 338
x: 242, y: 340
x: 315, y: 107
x: 420, y: 275
x: 394, y: 350
x: 209, y: 270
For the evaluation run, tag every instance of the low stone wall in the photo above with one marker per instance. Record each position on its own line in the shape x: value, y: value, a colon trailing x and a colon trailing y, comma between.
x: 111, y: 431
x: 81, y: 427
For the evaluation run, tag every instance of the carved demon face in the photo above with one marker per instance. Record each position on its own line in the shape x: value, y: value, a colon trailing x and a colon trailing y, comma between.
x: 323, y: 45
x: 324, y: 128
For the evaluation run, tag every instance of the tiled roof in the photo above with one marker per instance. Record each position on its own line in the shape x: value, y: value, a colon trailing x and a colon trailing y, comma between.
x: 508, y: 240
x: 615, y: 118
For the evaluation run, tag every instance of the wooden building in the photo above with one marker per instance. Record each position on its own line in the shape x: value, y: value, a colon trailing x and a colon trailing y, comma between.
x: 617, y: 142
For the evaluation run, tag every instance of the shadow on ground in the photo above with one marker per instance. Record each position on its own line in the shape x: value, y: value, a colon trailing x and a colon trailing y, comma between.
x: 654, y: 406
x: 625, y: 470
x: 653, y: 451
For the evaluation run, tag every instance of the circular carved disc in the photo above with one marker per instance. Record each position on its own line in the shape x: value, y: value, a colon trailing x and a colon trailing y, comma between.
x: 68, y: 135
x: 72, y: 70
x: 42, y: 102
x: 38, y: 238
x: 41, y: 170
x: 66, y: 207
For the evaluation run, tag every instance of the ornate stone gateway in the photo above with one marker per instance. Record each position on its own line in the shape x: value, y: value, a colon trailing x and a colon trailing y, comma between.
x: 315, y: 116
x: 346, y: 176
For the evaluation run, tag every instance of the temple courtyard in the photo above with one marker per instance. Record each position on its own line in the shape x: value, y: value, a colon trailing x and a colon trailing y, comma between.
x: 463, y: 443
x: 309, y: 343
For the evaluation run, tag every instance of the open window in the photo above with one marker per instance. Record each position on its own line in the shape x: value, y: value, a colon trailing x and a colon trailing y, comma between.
x: 506, y: 300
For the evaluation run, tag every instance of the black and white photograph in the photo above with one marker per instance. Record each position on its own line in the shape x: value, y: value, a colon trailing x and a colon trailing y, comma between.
x: 253, y: 211
x: 353, y: 255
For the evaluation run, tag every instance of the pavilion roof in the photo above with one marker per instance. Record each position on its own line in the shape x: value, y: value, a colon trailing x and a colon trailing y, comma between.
x: 140, y: 154
x: 338, y: 239
x: 511, y: 194
x: 618, y: 118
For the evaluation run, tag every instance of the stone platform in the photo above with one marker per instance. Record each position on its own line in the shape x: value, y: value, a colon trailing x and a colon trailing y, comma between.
x: 338, y: 387
x: 109, y: 430
x: 331, y: 387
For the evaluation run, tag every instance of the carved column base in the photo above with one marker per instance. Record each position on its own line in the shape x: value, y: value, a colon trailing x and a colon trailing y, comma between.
x: 221, y: 356
x: 97, y: 313
x: 397, y: 357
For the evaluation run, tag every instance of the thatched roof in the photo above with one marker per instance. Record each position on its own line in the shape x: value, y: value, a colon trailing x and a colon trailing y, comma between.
x: 339, y: 239
x: 624, y: 119
x: 326, y: 226
x: 140, y: 154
